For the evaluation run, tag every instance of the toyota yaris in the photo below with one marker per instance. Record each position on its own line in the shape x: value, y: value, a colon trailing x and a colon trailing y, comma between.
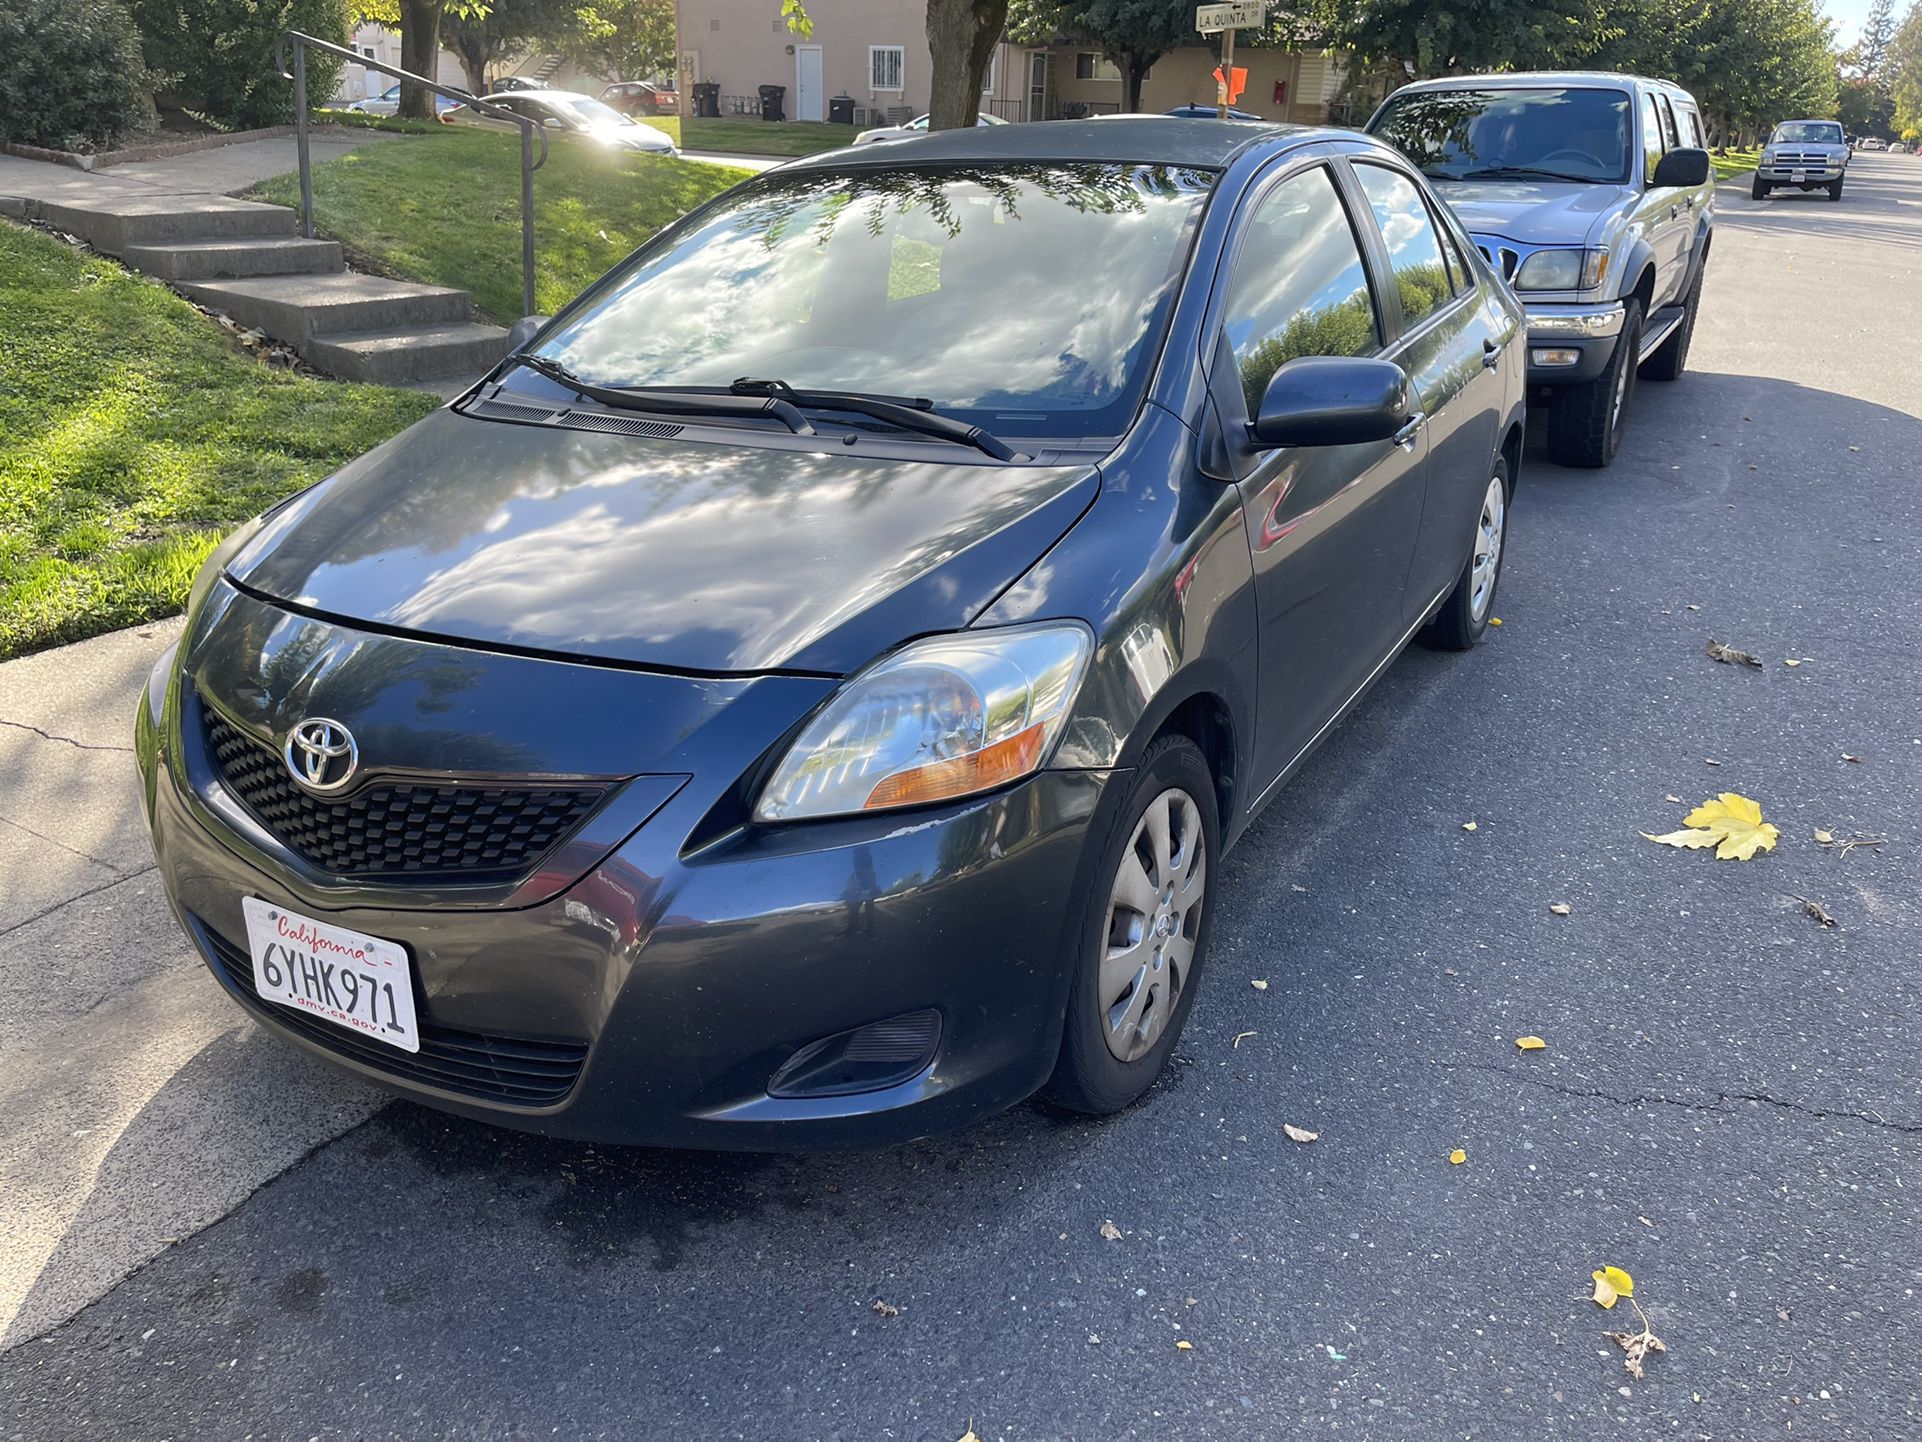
x: 804, y: 694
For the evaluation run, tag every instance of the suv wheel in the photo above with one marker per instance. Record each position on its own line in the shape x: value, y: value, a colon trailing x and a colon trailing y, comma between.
x: 1835, y: 190
x: 1667, y: 362
x: 1585, y: 422
x: 1760, y: 190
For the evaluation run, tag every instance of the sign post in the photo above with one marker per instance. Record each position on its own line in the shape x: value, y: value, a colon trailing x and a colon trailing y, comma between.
x: 1224, y: 20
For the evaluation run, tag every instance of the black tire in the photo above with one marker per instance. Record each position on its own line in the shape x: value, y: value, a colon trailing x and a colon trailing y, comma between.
x: 1457, y: 626
x: 1586, y: 422
x: 1835, y: 190
x: 1759, y: 190
x: 1088, y: 1077
x: 1672, y: 356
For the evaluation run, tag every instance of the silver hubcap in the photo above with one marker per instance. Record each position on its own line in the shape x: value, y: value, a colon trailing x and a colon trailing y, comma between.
x: 1621, y: 387
x: 1154, y: 920
x: 1488, y: 548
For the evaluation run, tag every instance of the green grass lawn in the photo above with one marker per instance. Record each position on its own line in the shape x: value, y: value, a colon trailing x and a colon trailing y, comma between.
x: 1735, y: 162
x: 133, y: 436
x: 446, y: 208
x: 753, y: 137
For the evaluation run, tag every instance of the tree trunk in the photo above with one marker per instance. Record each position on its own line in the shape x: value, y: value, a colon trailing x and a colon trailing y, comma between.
x: 962, y: 35
x: 475, y: 57
x: 419, y: 52
x: 1134, y: 69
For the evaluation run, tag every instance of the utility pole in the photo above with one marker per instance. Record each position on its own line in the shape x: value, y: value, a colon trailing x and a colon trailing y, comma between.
x: 1224, y: 20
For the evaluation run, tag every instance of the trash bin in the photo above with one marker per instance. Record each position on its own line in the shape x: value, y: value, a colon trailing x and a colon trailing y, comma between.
x: 771, y: 97
x: 841, y: 110
x: 707, y: 99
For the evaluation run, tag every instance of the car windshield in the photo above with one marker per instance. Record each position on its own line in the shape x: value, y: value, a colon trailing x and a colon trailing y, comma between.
x: 589, y: 111
x: 1551, y: 133
x: 1028, y: 299
x: 1807, y: 132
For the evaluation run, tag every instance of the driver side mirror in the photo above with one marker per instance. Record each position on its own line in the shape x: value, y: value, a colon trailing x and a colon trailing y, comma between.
x: 1331, y: 401
x: 524, y: 330
x: 1681, y: 168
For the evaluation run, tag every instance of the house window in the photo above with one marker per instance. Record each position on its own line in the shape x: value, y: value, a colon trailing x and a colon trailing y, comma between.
x: 885, y: 65
x: 1090, y: 65
x: 994, y: 59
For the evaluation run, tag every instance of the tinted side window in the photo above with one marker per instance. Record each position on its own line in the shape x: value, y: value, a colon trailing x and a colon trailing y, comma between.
x: 1671, y: 138
x: 1299, y: 287
x: 1414, y: 248
x: 1652, y: 149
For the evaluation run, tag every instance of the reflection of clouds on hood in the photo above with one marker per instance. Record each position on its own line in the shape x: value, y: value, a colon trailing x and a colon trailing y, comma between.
x: 1029, y: 289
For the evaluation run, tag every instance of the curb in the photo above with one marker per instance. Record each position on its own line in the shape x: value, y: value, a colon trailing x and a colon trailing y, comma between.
x: 160, y: 150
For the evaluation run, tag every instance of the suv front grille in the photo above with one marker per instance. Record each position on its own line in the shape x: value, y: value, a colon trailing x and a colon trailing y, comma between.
x: 518, y: 1071
x: 1502, y: 258
x: 404, y: 830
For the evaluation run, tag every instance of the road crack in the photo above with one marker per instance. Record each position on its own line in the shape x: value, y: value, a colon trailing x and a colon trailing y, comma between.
x: 47, y: 735
x: 1722, y: 1105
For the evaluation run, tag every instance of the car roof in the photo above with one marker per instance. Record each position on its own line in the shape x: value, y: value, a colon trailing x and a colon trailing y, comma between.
x: 1146, y: 139
x: 1529, y: 79
x: 538, y: 95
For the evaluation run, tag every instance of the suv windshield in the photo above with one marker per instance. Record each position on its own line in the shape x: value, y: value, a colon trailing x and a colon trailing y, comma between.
x: 1028, y: 299
x: 1532, y: 134
x: 1807, y: 132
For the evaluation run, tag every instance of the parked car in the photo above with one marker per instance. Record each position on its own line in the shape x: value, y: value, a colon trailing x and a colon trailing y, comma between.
x: 1872, y: 142
x: 388, y: 102
x: 1593, y: 195
x: 507, y: 83
x: 640, y: 97
x: 580, y: 116
x: 916, y: 126
x: 1210, y: 112
x: 1805, y: 155
x: 805, y: 693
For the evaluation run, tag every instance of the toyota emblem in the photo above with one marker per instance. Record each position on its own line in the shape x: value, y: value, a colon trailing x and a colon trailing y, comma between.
x: 321, y: 755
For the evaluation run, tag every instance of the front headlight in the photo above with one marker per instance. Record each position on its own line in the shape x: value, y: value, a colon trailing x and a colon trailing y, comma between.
x: 941, y: 718
x: 1562, y: 270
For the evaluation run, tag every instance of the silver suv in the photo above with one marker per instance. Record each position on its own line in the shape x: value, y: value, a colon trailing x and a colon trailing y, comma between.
x: 1803, y: 155
x: 1591, y: 194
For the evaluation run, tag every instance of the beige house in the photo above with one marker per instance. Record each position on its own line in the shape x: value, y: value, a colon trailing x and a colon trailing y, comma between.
x: 875, y: 52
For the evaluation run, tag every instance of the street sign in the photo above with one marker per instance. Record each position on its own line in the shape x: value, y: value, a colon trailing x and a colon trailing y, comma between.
x: 1241, y: 15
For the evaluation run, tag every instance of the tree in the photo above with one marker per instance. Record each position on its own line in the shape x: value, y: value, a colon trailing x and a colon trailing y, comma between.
x: 70, y: 74
x: 626, y: 39
x: 217, y: 56
x: 1131, y: 34
x: 507, y: 26
x: 1472, y: 35
x: 1878, y: 31
x: 962, y: 35
x: 1905, y: 74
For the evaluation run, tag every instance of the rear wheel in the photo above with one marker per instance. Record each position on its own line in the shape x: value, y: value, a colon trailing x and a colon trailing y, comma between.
x: 1586, y: 421
x: 1759, y: 190
x: 1463, y: 617
x: 1144, y: 935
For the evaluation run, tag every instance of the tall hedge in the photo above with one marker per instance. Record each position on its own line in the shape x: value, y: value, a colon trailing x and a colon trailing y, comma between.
x: 70, y: 74
x: 217, y: 56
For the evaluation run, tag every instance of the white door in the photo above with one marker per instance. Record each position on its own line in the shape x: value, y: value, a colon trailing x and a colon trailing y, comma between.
x: 807, y: 83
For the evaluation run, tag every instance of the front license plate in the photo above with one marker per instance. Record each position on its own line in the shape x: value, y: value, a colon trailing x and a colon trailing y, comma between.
x: 358, y: 982
x: 1798, y: 176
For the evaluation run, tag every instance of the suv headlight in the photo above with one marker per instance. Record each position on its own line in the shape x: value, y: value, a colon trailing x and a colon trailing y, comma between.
x: 940, y: 718
x: 1562, y: 270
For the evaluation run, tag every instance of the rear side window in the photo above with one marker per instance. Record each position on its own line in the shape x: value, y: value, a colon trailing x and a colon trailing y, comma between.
x: 1299, y: 287
x: 1693, y: 124
x: 1671, y: 137
x: 1414, y: 245
x: 1652, y: 148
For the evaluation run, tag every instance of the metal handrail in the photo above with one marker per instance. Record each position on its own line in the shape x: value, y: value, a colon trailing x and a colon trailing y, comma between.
x: 528, y: 129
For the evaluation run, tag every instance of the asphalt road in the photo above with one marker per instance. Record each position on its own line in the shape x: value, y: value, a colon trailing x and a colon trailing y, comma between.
x: 1729, y: 1104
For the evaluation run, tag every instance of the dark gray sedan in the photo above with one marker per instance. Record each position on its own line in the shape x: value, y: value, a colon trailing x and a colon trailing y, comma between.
x: 804, y: 694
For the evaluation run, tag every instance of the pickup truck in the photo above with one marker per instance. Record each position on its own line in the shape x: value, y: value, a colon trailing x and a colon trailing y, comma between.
x: 1591, y: 195
x: 1803, y: 155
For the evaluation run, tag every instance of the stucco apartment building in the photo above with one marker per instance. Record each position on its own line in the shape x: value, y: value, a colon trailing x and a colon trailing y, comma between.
x: 876, y: 53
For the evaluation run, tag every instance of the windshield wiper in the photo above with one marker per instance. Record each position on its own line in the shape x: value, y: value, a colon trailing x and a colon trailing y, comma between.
x: 666, y: 401
x: 1502, y: 172
x: 910, y: 413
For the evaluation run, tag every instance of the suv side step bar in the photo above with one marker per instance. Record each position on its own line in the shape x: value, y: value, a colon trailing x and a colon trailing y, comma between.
x: 1659, y: 330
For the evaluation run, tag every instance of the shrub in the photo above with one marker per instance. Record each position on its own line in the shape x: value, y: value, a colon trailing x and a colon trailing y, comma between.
x: 70, y: 74
x: 216, y: 57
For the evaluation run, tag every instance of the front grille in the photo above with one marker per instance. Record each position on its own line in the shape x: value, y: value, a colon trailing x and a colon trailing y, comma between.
x: 518, y: 1071
x: 1502, y: 258
x: 402, y: 830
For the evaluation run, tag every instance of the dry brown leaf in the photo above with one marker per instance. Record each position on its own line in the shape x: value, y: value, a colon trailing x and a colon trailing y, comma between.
x: 1729, y: 656
x: 1847, y: 757
x: 1824, y: 838
x: 1676, y: 799
x: 1299, y: 1134
x: 1110, y: 1231
x: 884, y: 1309
x: 1710, y: 761
x: 1560, y: 908
x: 1638, y: 1346
x: 1816, y: 911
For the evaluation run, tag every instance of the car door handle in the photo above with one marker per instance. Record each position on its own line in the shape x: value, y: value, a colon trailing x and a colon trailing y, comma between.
x: 1673, y: 211
x: 1491, y: 353
x: 1411, y: 432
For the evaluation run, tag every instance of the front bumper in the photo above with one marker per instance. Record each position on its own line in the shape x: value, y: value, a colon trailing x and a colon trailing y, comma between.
x: 677, y: 978
x: 1808, y: 177
x: 1569, y: 344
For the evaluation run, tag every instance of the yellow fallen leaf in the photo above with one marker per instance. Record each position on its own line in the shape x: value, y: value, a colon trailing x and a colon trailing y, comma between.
x: 1494, y: 620
x: 1603, y: 1295
x: 1259, y: 985
x: 1732, y: 824
x: 1790, y: 661
x: 969, y: 1436
x: 1299, y: 1134
x: 1182, y: 1346
x: 1560, y: 908
x: 1457, y: 1157
x: 1620, y: 1281
x: 1824, y: 838
x: 1530, y: 1043
x: 1468, y: 826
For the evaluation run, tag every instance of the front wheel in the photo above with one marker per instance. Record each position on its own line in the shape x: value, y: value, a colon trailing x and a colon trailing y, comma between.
x: 1759, y: 190
x: 1586, y: 421
x: 1144, y: 934
x: 1835, y: 190
x: 1463, y: 617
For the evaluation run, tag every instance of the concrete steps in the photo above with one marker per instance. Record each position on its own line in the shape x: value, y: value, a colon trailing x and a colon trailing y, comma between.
x: 248, y: 260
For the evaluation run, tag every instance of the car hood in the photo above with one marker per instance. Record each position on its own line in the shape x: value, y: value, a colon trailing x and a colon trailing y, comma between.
x: 1531, y: 212
x: 683, y: 556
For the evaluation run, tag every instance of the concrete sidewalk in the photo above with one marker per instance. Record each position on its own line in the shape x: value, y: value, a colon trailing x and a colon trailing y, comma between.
x: 227, y: 170
x: 137, y: 1104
